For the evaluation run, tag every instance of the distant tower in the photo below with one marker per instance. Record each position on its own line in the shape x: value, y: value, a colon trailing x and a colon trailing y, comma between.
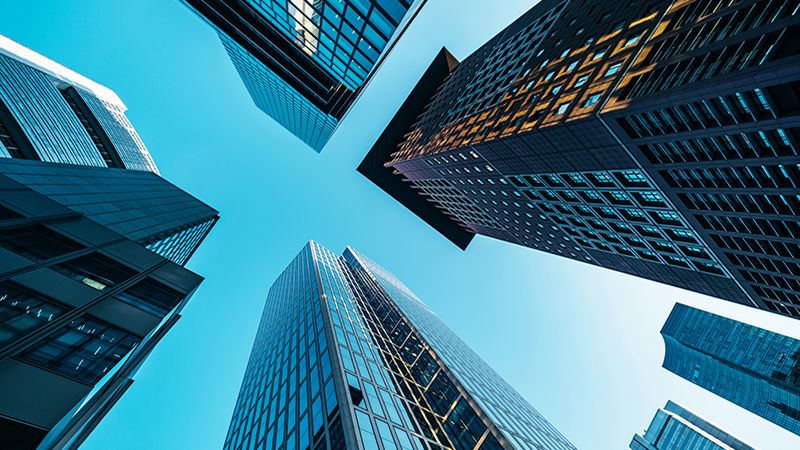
x: 674, y: 428
x: 92, y: 247
x: 346, y: 356
x: 754, y: 368
x: 305, y: 62
x: 659, y: 139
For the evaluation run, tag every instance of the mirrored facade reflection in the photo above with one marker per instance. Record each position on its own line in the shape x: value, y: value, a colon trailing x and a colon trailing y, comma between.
x: 756, y: 369
x: 92, y: 247
x: 660, y: 139
x: 675, y: 428
x: 304, y: 62
x: 50, y: 113
x: 348, y: 357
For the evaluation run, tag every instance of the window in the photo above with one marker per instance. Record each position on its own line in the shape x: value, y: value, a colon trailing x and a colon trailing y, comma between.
x: 581, y: 80
x: 13, y: 138
x: 92, y: 127
x: 592, y: 100
x: 37, y: 242
x: 633, y: 178
x: 650, y: 198
x: 85, y: 349
x: 632, y: 40
x: 572, y: 66
x: 95, y: 270
x: 612, y: 69
x: 151, y: 296
x: 22, y: 311
x: 599, y: 55
x: 556, y: 89
x: 562, y: 108
x: 666, y: 217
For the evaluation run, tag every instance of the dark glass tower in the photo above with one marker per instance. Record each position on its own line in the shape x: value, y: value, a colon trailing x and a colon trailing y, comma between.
x: 304, y: 62
x: 675, y: 428
x: 754, y: 368
x: 347, y: 357
x: 658, y: 138
x: 92, y: 248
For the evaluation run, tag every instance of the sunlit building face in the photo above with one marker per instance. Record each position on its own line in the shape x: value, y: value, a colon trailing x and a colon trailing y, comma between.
x: 654, y: 139
x: 337, y: 45
x: 348, y: 357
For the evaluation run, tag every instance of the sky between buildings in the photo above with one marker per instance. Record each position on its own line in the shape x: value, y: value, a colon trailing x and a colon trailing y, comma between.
x: 579, y: 342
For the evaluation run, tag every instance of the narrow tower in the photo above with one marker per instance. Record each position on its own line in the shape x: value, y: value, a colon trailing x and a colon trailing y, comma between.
x: 347, y: 357
x: 754, y: 368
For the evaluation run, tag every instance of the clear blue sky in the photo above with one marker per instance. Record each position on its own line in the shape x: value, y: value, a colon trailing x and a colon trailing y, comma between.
x: 579, y: 342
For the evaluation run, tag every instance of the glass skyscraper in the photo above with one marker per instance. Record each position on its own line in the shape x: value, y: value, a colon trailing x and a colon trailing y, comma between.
x: 92, y: 247
x: 754, y: 368
x: 675, y: 428
x: 347, y: 357
x: 50, y: 113
x: 660, y: 139
x: 304, y: 62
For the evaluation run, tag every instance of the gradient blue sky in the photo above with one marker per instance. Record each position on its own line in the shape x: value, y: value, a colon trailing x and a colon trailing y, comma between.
x: 579, y: 342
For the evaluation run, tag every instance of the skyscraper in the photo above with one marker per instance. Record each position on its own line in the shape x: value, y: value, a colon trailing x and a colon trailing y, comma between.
x: 304, y: 62
x: 675, y: 428
x: 659, y: 139
x: 92, y: 247
x: 754, y: 368
x: 347, y: 356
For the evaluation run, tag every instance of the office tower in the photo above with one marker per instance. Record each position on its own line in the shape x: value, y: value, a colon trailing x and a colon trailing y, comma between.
x: 50, y: 113
x: 659, y: 139
x: 304, y: 62
x: 754, y: 368
x: 675, y: 428
x: 347, y: 356
x: 92, y: 247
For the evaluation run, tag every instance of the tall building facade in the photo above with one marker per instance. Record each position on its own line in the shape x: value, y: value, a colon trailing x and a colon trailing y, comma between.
x: 675, y: 428
x: 656, y: 138
x: 347, y: 357
x: 754, y: 368
x: 92, y: 247
x: 304, y: 62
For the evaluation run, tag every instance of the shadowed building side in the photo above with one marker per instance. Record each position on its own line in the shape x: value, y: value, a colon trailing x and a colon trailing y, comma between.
x: 659, y: 140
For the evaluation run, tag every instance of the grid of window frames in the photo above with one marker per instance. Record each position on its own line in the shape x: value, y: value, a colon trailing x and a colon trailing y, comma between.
x: 703, y: 40
x: 439, y: 405
x: 38, y: 121
x: 85, y: 349
x: 346, y: 37
x: 619, y: 212
x: 477, y: 196
x: 731, y: 158
x: 288, y: 399
x: 279, y: 100
x: 675, y: 428
x: 179, y: 246
x: 446, y: 373
x: 329, y: 316
x: 381, y: 412
x: 757, y: 369
x: 23, y: 311
x: 559, y: 68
